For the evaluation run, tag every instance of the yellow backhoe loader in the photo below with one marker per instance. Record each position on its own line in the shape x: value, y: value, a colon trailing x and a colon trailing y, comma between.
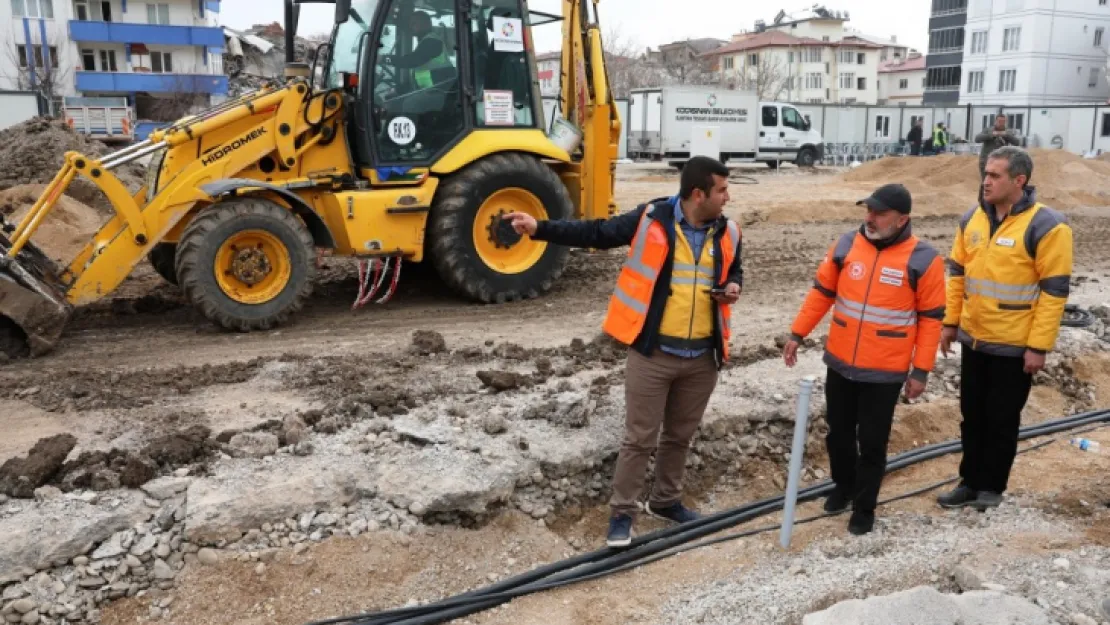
x: 415, y: 128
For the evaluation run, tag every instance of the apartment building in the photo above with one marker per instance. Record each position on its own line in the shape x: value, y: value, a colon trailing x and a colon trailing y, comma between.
x: 902, y: 81
x: 1035, y: 52
x: 548, y: 73
x: 144, y: 51
x: 943, y: 71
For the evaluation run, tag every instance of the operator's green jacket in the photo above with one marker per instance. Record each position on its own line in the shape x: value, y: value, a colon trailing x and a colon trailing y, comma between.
x: 1009, y: 280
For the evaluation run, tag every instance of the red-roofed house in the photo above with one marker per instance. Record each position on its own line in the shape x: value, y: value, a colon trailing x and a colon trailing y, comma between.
x: 902, y: 81
x: 800, y: 69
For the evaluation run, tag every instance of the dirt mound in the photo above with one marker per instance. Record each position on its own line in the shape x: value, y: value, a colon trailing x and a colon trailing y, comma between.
x: 19, y: 477
x: 1063, y: 180
x: 64, y: 232
x: 35, y: 150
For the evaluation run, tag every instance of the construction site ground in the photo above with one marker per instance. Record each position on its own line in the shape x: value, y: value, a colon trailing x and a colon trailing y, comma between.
x: 472, y: 442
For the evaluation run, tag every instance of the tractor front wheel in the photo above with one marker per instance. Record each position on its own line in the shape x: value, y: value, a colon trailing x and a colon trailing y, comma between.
x: 246, y: 264
x: 475, y: 251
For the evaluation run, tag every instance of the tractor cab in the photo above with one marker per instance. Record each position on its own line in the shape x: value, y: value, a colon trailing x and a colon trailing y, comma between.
x: 426, y: 73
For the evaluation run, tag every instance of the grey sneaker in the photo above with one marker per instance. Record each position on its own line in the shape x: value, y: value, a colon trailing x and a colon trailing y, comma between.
x: 987, y: 499
x: 958, y: 498
x: 1104, y: 607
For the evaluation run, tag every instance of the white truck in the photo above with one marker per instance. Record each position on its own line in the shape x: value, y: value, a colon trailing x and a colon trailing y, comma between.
x: 107, y: 119
x: 676, y: 123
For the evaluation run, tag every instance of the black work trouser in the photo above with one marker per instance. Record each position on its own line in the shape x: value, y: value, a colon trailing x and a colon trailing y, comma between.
x: 993, y: 392
x: 860, y: 415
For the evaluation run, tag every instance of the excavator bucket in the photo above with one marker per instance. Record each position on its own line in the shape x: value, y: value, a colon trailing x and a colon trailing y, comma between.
x: 33, y: 310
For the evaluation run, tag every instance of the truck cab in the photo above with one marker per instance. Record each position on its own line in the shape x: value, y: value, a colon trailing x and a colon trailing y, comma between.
x: 785, y: 135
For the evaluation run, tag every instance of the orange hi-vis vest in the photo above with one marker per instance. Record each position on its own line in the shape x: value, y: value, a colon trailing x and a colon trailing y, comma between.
x: 889, y: 306
x: 648, y: 254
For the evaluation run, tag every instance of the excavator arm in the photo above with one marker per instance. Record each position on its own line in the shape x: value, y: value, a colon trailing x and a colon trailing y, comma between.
x: 587, y: 102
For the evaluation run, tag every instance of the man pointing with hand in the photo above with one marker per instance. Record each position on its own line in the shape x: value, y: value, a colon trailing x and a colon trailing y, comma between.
x: 672, y: 306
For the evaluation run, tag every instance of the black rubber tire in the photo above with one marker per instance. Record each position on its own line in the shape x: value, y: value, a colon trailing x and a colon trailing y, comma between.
x: 196, y: 259
x: 806, y: 158
x: 161, y: 257
x: 450, y: 231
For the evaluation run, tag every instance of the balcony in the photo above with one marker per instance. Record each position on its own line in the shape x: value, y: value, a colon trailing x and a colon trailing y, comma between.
x: 120, y: 82
x: 120, y: 32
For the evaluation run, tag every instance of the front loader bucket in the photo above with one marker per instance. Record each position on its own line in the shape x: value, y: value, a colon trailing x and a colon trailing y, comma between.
x: 33, y: 311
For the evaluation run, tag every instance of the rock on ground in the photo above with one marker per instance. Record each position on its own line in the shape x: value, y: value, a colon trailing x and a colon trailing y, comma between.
x: 19, y: 477
x: 254, y: 444
x: 444, y: 480
x: 924, y: 605
x: 47, y: 535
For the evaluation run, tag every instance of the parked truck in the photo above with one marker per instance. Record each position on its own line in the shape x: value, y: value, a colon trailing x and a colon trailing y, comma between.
x: 676, y: 123
x: 108, y: 119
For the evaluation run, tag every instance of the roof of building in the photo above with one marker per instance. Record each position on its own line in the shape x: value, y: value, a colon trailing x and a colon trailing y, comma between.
x: 700, y: 46
x: 912, y: 64
x: 816, y: 12
x: 886, y: 42
x: 548, y: 56
x: 774, y: 38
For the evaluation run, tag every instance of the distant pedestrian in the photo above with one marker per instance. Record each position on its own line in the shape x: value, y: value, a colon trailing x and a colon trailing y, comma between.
x: 992, y: 139
x: 940, y: 138
x: 672, y: 306
x: 888, y: 290
x: 914, y: 138
x: 1010, y: 270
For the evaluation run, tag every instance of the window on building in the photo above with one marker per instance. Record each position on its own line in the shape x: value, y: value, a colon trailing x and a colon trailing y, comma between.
x: 1015, y: 121
x: 108, y: 61
x: 88, y: 60
x: 987, y: 121
x: 882, y: 126
x: 730, y: 62
x: 790, y: 57
x: 753, y: 59
x: 861, y: 84
x: 847, y: 81
x: 1093, y: 82
x: 1102, y: 3
x: 1007, y: 80
x: 33, y: 8
x: 861, y: 59
x: 158, y: 14
x: 812, y: 55
x: 1098, y: 36
x: 81, y: 10
x: 949, y: 7
x: 1105, y: 125
x: 943, y: 78
x: 36, y: 52
x: 814, y: 80
x: 946, y: 39
x: 975, y: 81
x: 161, y: 62
x: 847, y: 56
x: 106, y: 11
x: 789, y: 86
x: 979, y: 42
x: 1011, y: 39
x: 904, y: 83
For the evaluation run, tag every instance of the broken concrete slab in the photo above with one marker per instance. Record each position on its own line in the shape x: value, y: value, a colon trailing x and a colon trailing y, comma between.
x: 925, y: 605
x: 56, y: 531
x: 251, y: 495
x: 438, y: 479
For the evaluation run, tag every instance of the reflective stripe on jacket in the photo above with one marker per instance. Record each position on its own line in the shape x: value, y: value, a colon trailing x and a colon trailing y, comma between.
x: 1009, y: 280
x: 888, y: 303
x: 688, y: 316
x: 651, y: 248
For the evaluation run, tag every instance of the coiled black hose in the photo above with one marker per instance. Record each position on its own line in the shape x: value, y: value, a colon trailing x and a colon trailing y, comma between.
x: 661, y: 543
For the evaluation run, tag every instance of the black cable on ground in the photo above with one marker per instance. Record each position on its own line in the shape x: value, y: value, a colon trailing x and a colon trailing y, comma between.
x: 650, y: 547
x: 738, y: 179
x: 1076, y: 317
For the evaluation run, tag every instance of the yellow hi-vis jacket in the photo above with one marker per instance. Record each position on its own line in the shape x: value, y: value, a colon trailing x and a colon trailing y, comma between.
x: 688, y: 316
x: 1009, y: 280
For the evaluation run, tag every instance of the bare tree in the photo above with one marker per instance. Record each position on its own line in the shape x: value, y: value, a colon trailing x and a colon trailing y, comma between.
x: 627, y: 66
x: 768, y: 77
x: 179, y: 100
x: 33, y: 73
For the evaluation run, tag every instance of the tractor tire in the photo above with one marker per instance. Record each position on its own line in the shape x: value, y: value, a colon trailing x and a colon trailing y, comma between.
x: 475, y: 252
x: 161, y: 257
x: 247, y: 264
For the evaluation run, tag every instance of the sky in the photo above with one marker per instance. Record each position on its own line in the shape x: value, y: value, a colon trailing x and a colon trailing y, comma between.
x: 649, y: 23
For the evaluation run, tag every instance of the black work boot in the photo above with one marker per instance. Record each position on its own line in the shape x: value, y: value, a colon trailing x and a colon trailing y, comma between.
x: 959, y: 497
x: 837, y: 501
x: 861, y: 522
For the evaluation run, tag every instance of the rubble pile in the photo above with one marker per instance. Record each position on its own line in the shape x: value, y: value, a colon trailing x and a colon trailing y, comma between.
x: 256, y: 56
x: 35, y: 152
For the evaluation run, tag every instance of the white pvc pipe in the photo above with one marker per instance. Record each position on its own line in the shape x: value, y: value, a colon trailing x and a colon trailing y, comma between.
x: 797, y: 453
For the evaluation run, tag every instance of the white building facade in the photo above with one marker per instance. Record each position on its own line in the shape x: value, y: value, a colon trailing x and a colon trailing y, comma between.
x: 1035, y: 52
x: 117, y: 48
x: 902, y: 81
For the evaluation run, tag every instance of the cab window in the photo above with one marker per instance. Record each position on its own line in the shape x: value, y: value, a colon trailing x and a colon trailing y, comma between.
x: 771, y: 116
x: 792, y: 119
x: 501, y: 68
x: 417, y: 106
